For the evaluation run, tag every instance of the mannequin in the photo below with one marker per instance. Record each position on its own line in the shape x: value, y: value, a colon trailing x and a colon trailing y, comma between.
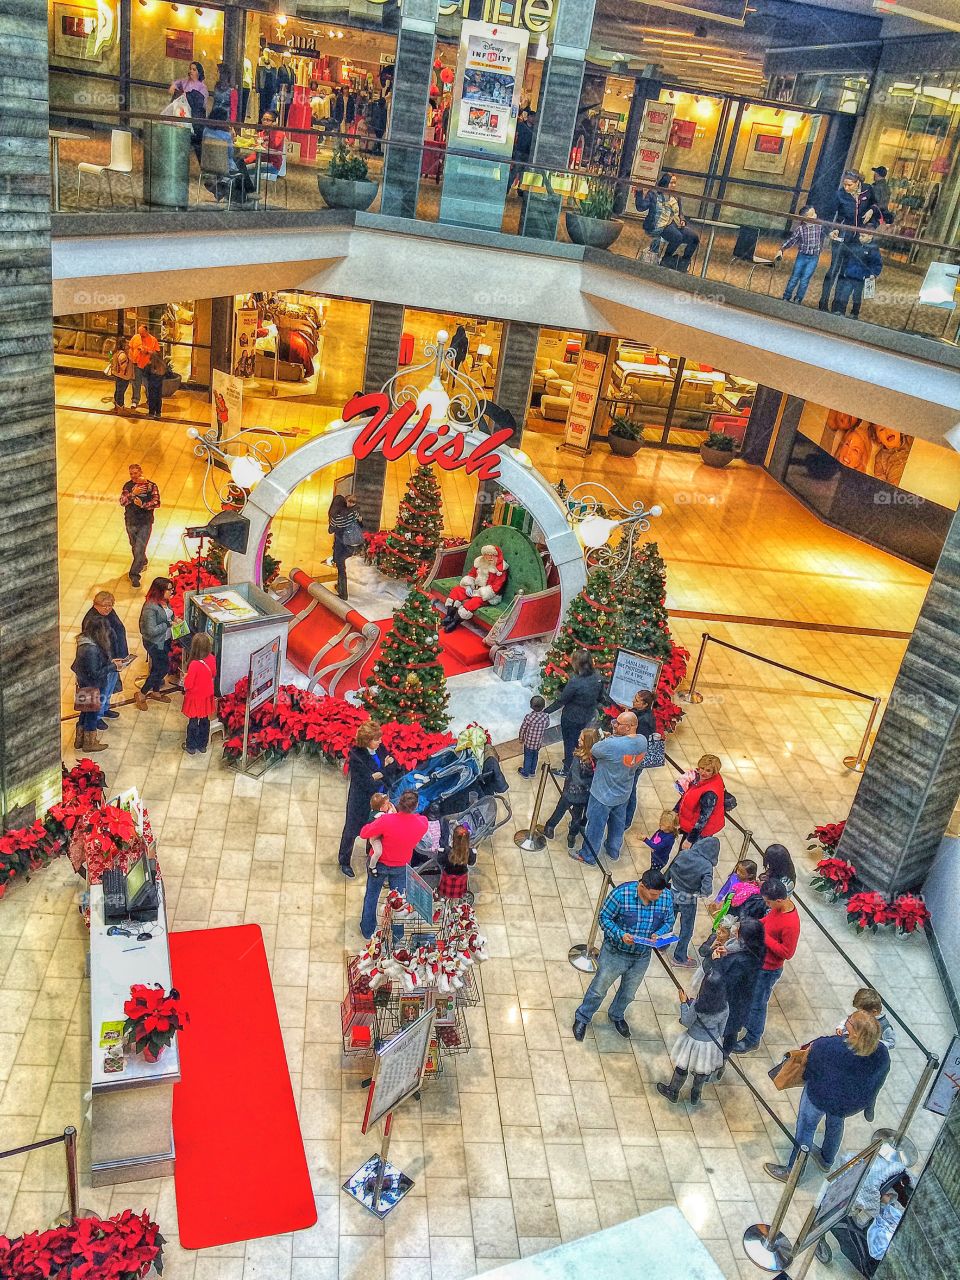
x: 266, y: 83
x: 245, y: 88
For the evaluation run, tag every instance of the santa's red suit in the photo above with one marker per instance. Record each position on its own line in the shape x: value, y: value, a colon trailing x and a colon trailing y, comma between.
x: 483, y: 586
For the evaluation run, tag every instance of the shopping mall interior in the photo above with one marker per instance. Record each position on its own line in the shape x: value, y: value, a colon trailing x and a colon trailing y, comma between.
x: 455, y: 341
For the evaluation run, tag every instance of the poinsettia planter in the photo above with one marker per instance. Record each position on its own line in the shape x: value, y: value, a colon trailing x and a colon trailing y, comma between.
x: 594, y: 233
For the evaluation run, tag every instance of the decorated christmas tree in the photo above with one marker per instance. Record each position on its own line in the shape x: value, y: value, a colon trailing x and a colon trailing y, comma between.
x: 411, y: 546
x: 644, y: 611
x: 408, y: 683
x: 592, y: 624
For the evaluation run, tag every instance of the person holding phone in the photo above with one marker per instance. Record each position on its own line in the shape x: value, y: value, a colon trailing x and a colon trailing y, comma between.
x: 633, y: 914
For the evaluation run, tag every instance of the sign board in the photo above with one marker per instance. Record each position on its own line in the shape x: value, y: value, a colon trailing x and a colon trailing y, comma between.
x: 631, y: 673
x: 682, y: 133
x: 264, y: 674
x: 226, y: 403
x: 583, y: 399
x: 398, y: 1069
x: 838, y: 1194
x: 946, y: 1084
x: 489, y: 81
x: 419, y: 894
x: 245, y: 324
x: 647, y: 161
x: 657, y: 121
x: 178, y: 45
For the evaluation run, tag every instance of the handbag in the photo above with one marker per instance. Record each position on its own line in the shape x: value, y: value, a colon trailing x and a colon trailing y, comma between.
x: 353, y: 536
x: 179, y: 108
x: 86, y: 698
x: 789, y: 1073
x: 656, y: 755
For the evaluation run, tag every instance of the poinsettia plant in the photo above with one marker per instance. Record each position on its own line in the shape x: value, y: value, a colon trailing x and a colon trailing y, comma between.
x: 834, y: 877
x: 104, y: 838
x: 908, y: 913
x: 868, y: 911
x: 826, y: 837
x: 123, y: 1247
x: 153, y: 1018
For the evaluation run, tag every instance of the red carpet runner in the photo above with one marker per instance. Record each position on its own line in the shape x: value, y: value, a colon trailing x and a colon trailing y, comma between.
x: 241, y: 1170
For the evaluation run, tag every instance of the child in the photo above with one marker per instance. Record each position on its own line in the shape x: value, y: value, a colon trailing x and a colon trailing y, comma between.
x: 662, y: 840
x: 454, y: 875
x: 860, y: 263
x: 808, y: 237
x: 532, y: 728
x: 576, y: 789
x: 697, y: 1048
x: 199, y: 700
x: 743, y: 884
x: 436, y: 838
x: 379, y: 803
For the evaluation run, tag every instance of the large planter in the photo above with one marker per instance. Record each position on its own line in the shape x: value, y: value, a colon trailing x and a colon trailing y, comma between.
x: 622, y: 446
x: 342, y: 193
x: 595, y: 233
x: 716, y: 457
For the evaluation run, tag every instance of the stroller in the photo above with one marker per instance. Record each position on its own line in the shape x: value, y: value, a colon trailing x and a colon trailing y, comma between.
x: 852, y: 1238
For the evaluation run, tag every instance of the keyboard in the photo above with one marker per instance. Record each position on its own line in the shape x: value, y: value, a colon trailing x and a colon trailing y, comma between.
x: 114, y: 894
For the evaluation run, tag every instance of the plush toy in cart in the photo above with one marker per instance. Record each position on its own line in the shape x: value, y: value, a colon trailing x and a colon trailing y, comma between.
x: 483, y: 585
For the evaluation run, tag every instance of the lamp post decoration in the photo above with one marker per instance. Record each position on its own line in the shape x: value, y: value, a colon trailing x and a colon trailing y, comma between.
x: 595, y: 529
x: 246, y: 458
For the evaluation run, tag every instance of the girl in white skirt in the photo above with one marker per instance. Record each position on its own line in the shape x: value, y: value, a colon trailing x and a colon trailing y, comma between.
x: 697, y: 1048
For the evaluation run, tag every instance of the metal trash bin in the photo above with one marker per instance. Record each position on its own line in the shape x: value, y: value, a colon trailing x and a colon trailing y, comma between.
x: 166, y: 164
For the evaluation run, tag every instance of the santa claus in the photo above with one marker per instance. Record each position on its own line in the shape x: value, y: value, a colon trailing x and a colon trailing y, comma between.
x: 483, y: 586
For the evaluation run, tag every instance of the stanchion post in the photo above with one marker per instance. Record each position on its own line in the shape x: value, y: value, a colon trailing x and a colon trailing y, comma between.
x: 584, y: 955
x: 691, y: 695
x: 745, y: 847
x: 767, y: 1246
x: 856, y: 763
x: 533, y: 840
x: 70, y: 1151
x: 904, y: 1147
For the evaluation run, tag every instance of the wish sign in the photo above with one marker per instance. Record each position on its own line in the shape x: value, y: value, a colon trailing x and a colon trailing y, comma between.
x: 391, y: 431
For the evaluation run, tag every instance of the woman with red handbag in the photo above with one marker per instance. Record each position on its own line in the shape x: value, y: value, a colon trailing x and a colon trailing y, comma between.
x: 92, y: 666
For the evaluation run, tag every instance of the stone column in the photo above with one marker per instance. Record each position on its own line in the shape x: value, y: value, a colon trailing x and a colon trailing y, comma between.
x: 29, y: 602
x: 763, y: 422
x: 927, y: 1243
x: 515, y: 371
x: 557, y: 111
x: 912, y: 780
x: 408, y: 107
x: 383, y: 352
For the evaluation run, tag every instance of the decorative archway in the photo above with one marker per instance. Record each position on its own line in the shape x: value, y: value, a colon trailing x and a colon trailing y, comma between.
x: 517, y: 475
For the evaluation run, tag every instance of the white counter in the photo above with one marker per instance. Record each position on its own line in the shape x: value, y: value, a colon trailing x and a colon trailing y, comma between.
x: 132, y: 1134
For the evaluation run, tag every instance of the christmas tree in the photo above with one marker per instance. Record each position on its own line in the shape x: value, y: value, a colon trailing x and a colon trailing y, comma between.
x: 408, y: 683
x: 411, y: 546
x: 644, y: 612
x: 592, y: 624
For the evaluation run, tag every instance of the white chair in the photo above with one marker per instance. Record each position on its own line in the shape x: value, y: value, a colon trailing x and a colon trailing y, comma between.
x: 121, y: 162
x: 278, y: 175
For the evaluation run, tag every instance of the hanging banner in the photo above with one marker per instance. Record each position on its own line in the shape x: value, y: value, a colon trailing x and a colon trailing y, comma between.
x: 583, y: 400
x: 226, y: 403
x: 486, y: 94
x: 245, y: 324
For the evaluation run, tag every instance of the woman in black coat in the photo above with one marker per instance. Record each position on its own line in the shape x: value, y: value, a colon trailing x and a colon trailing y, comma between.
x: 370, y: 771
x: 578, y: 702
x: 93, y: 667
x: 739, y: 971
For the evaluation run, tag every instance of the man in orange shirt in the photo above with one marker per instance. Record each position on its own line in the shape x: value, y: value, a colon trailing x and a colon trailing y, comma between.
x: 141, y: 347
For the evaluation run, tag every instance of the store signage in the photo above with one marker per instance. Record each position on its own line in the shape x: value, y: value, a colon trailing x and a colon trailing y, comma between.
x: 306, y: 44
x: 583, y: 400
x: 656, y: 121
x: 179, y: 45
x: 534, y: 15
x: 443, y: 444
x: 632, y: 673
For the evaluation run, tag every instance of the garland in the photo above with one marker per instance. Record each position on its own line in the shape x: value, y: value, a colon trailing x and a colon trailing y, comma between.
x: 866, y: 909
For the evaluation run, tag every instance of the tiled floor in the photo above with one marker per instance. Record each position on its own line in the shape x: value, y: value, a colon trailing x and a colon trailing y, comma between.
x: 531, y: 1138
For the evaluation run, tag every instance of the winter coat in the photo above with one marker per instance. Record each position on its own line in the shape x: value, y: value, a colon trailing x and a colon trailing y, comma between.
x: 862, y: 261
x: 154, y: 624
x: 199, y: 700
x: 692, y: 869
x: 576, y: 787
x: 739, y: 972
x: 91, y: 666
x: 363, y: 765
x: 578, y: 700
x: 118, y: 634
x: 703, y: 1026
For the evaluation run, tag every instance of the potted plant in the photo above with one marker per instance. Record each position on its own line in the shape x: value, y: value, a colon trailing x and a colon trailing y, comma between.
x: 717, y: 449
x: 345, y: 184
x: 592, y: 224
x: 625, y: 436
x: 153, y: 1018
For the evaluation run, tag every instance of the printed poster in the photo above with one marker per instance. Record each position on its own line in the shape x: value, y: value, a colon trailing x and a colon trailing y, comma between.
x: 656, y: 122
x: 490, y: 69
x: 583, y: 399
x: 631, y: 673
x: 226, y: 403
x: 647, y: 161
x: 245, y: 325
x: 264, y: 674
x: 179, y: 45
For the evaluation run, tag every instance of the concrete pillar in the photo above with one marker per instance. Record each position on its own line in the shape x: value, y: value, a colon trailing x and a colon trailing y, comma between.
x: 234, y: 19
x: 912, y: 779
x: 29, y: 603
x: 383, y: 353
x: 927, y: 1243
x: 408, y: 107
x: 557, y: 111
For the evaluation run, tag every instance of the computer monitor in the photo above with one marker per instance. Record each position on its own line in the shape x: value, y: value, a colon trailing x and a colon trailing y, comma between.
x: 138, y: 882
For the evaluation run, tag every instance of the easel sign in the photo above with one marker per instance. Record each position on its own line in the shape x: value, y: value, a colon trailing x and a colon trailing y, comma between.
x: 263, y: 683
x: 946, y: 1086
x: 833, y: 1204
x: 420, y: 896
x: 631, y: 673
x: 397, y: 1074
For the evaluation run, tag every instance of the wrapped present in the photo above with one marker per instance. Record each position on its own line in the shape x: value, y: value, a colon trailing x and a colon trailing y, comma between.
x: 507, y: 511
x: 509, y: 663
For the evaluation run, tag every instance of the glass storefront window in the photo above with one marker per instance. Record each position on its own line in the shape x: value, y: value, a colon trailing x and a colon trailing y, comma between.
x: 164, y: 40
x: 84, y: 53
x: 483, y: 346
x: 913, y: 130
x: 693, y: 135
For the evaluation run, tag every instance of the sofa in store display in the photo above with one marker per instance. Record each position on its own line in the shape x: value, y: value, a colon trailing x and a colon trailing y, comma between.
x: 530, y: 605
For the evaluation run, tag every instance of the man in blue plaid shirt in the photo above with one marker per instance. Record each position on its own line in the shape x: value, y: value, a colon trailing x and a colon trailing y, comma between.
x: 634, y: 912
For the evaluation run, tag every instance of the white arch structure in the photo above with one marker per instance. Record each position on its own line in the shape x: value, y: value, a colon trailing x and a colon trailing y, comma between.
x: 517, y: 475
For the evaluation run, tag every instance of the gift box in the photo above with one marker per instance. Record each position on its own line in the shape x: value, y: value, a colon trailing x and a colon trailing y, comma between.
x: 508, y: 512
x: 509, y: 663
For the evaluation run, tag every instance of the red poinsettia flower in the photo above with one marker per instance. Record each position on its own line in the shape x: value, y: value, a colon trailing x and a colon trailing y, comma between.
x: 909, y: 913
x: 834, y: 876
x: 868, y: 911
x: 827, y: 836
